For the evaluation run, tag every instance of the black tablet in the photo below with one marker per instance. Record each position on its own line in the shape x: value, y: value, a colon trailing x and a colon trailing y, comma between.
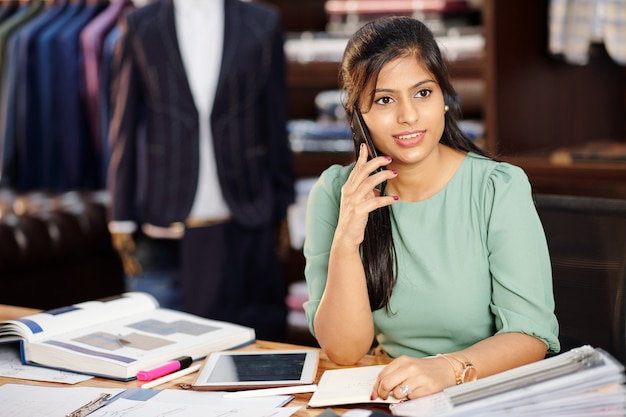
x: 237, y: 370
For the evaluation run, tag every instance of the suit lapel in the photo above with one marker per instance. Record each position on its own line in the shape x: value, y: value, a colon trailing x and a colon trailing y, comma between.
x: 169, y: 38
x: 229, y: 51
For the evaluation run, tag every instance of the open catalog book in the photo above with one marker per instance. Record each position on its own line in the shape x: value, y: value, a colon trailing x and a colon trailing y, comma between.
x: 581, y: 382
x: 118, y: 336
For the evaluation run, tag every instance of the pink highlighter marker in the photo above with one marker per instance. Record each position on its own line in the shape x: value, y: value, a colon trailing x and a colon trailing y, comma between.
x: 171, y: 366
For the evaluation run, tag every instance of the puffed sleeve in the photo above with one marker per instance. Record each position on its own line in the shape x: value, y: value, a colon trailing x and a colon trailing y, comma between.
x: 522, y: 298
x: 321, y: 221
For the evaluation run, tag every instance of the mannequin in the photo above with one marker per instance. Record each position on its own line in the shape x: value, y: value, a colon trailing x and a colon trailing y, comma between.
x: 201, y: 172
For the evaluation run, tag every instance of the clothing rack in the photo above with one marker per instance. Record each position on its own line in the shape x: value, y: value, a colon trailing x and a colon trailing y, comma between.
x: 55, y: 62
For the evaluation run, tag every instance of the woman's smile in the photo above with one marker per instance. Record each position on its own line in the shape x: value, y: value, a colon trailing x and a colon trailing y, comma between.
x: 409, y: 139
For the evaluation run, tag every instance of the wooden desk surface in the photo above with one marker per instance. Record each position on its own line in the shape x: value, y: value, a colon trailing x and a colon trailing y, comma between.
x: 10, y: 312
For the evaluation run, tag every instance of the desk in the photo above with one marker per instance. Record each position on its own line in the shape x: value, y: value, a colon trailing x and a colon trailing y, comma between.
x: 10, y: 312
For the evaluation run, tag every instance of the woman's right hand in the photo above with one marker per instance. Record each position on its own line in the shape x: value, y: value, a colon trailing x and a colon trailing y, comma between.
x: 359, y: 197
x: 344, y: 326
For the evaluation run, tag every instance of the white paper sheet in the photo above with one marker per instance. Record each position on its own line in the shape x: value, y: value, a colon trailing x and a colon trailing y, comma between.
x: 130, y: 408
x: 11, y: 366
x: 20, y: 400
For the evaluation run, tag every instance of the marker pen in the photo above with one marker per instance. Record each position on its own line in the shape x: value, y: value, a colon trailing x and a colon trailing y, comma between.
x: 167, y: 368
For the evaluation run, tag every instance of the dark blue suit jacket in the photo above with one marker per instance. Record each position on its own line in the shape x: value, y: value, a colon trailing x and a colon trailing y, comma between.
x: 79, y: 165
x: 52, y: 169
x: 27, y: 127
x: 153, y: 176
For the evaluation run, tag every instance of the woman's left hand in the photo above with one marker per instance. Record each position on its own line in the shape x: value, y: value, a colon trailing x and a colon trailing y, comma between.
x: 409, y: 377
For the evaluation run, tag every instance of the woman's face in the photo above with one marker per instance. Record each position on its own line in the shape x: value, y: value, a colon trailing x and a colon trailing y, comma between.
x: 406, y: 119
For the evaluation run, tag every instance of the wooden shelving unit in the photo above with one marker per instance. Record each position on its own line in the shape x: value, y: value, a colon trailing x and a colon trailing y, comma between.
x: 536, y: 103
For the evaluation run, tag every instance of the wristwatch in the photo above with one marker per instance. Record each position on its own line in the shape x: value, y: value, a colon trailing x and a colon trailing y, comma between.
x: 469, y: 371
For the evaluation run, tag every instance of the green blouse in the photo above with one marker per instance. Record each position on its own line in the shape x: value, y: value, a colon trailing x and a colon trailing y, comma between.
x: 472, y: 261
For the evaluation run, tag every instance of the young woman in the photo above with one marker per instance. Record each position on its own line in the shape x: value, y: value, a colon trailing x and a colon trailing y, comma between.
x: 448, y: 269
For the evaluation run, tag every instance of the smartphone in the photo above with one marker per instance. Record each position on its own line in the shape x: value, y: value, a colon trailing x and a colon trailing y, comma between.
x: 362, y: 135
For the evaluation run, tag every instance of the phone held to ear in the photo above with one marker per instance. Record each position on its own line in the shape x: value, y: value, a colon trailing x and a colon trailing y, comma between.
x: 362, y: 135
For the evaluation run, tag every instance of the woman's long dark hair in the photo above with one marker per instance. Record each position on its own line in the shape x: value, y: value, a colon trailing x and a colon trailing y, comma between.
x: 368, y: 50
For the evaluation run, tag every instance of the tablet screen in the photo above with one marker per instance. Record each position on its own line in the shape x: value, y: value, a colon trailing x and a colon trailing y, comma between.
x: 258, y: 369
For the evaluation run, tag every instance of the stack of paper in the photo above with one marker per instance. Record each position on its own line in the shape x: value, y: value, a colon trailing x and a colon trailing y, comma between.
x: 581, y: 382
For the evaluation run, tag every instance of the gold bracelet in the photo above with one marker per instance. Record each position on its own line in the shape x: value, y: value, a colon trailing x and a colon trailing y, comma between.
x: 457, y: 376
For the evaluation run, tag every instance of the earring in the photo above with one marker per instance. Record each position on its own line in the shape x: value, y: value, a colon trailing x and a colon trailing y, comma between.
x: 446, y: 108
